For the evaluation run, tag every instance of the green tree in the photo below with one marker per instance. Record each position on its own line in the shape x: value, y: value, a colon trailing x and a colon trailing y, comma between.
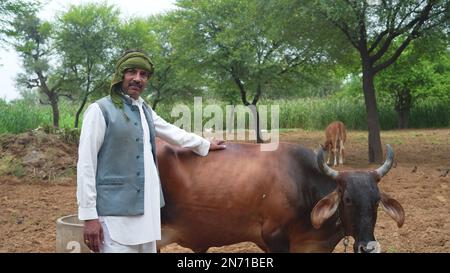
x: 31, y: 38
x: 416, y: 76
x: 87, y: 40
x: 248, y: 43
x: 9, y: 9
x: 380, y: 31
x: 171, y: 80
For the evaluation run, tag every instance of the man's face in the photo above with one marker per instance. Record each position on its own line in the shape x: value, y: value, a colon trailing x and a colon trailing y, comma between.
x: 134, y: 82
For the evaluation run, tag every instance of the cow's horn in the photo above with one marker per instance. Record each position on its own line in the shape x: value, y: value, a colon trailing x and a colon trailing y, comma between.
x: 384, y: 169
x: 324, y: 167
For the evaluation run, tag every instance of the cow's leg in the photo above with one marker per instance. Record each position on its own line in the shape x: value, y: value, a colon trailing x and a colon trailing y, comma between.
x: 335, y: 154
x: 330, y: 153
x: 341, y: 152
x: 277, y: 240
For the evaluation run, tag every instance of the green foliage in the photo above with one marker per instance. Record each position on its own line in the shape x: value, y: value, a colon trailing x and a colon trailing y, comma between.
x: 424, y: 74
x: 240, y: 51
x: 69, y: 135
x: 86, y: 34
x: 87, y: 38
x: 9, y: 9
x: 289, y: 49
x: 317, y: 113
x: 32, y: 39
x: 308, y: 113
x: 172, y: 79
x: 430, y: 112
x: 20, y: 116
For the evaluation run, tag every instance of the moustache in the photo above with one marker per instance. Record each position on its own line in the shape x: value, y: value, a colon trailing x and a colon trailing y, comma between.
x: 135, y: 84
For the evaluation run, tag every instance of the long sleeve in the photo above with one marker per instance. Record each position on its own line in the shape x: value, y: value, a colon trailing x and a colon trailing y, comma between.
x: 180, y: 137
x: 91, y: 139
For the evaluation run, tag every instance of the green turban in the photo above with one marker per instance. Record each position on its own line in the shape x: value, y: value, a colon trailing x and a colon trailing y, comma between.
x: 134, y: 59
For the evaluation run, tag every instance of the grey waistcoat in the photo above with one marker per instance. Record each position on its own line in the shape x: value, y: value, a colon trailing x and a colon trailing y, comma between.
x: 120, y: 161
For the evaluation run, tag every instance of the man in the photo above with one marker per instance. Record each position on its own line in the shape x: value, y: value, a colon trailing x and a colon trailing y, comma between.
x: 118, y: 189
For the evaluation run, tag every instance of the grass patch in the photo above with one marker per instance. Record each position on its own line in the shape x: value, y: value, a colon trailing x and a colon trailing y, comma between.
x: 306, y: 113
x: 11, y: 166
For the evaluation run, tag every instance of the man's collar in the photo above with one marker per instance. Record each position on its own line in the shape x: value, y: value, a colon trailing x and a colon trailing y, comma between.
x: 131, y: 100
x: 134, y: 101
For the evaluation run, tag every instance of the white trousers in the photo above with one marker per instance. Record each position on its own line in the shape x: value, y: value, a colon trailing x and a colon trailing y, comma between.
x: 111, y: 246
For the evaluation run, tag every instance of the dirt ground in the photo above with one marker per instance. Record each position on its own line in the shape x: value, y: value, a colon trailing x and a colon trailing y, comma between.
x: 37, y: 186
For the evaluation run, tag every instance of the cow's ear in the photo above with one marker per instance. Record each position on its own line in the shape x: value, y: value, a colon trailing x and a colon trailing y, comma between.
x: 393, y: 208
x: 325, y: 208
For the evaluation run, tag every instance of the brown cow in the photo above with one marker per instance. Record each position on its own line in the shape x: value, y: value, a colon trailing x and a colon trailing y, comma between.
x: 286, y: 200
x: 335, y: 139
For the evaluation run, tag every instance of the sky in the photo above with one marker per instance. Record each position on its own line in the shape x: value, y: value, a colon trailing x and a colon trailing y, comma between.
x: 10, y: 64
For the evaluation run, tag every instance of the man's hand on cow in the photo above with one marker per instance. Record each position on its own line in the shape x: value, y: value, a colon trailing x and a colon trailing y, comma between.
x: 217, y: 145
x: 93, y: 234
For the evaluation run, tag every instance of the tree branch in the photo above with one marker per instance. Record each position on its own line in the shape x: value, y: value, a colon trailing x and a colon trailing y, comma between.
x: 275, y: 46
x: 383, y: 48
x: 407, y: 14
x: 69, y: 96
x: 43, y: 102
x: 292, y: 65
x: 394, y: 57
x: 416, y: 23
x: 57, y: 86
x: 378, y: 40
x: 241, y: 87
x: 32, y: 83
x: 258, y: 93
x: 344, y: 28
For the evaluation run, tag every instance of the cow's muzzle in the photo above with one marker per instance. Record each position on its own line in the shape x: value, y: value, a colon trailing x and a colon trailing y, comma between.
x: 367, y: 247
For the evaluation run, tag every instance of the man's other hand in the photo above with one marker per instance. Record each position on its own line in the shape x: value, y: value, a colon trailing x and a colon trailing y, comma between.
x: 93, y: 234
x: 217, y: 145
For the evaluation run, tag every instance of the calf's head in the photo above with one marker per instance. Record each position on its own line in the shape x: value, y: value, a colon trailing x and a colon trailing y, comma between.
x: 356, y: 199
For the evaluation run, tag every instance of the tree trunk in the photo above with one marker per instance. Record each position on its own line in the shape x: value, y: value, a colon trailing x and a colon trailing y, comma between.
x: 154, y: 104
x: 373, y: 122
x: 157, y: 99
x: 258, y: 127
x: 55, y: 109
x: 80, y: 109
x: 52, y: 98
x: 403, y: 103
x: 403, y: 118
x: 252, y: 105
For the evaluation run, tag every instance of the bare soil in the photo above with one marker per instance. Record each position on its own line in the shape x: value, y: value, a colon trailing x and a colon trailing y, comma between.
x: 38, y: 185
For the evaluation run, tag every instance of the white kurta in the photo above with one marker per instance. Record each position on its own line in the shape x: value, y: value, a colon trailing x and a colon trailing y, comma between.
x: 127, y: 230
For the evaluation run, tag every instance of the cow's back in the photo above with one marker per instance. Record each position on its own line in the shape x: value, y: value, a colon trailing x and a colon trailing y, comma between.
x: 227, y: 196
